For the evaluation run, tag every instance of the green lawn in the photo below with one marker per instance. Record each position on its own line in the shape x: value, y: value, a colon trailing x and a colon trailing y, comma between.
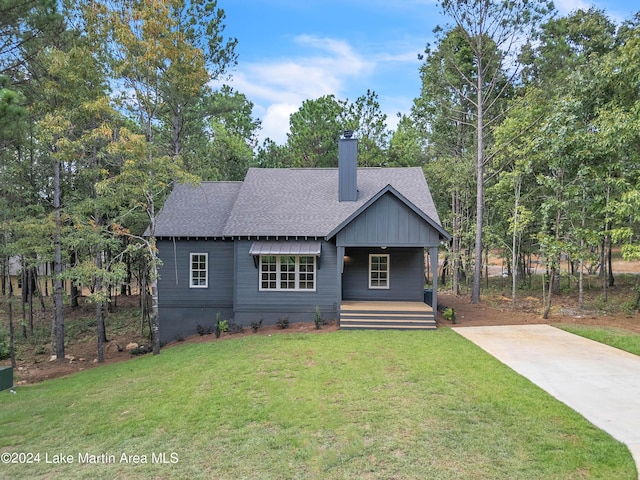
x: 615, y: 337
x: 343, y: 405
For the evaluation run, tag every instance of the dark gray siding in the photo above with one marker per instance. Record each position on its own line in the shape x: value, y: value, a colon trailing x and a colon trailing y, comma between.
x: 406, y: 275
x: 182, y: 308
x: 252, y: 304
x: 388, y: 222
x: 347, y: 170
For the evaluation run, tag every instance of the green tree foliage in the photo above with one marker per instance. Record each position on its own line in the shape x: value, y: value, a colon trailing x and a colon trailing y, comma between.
x: 222, y: 147
x: 315, y: 130
x: 368, y: 123
x: 490, y: 31
x: 316, y: 127
x: 577, y: 108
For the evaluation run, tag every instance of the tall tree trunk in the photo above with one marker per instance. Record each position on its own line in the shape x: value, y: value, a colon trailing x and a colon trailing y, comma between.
x: 455, y: 241
x: 5, y: 261
x: 30, y: 277
x: 57, y: 263
x: 514, y: 246
x: 583, y: 222
x: 24, y: 296
x: 549, y: 292
x: 153, y: 278
x: 554, y: 282
x: 603, y: 272
x: 612, y: 280
x: 101, y: 334
x: 75, y: 292
x: 12, y: 349
x: 477, y: 271
x: 445, y: 267
x: 153, y: 284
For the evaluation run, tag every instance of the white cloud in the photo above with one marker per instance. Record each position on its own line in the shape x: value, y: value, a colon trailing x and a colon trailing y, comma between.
x: 320, y: 66
x: 275, y: 122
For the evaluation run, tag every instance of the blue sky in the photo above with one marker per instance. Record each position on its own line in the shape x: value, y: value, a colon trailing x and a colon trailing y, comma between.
x: 293, y: 50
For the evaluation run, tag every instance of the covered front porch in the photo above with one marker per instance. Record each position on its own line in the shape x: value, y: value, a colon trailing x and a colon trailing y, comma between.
x: 385, y: 315
x: 380, y: 253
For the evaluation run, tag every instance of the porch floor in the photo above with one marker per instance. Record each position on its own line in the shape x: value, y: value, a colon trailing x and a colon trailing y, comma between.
x: 387, y: 315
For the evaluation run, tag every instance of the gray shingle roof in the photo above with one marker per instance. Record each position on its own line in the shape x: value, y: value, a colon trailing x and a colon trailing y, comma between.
x: 197, y: 211
x: 283, y: 202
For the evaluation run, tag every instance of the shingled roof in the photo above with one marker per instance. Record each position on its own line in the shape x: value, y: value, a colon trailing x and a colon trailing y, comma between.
x: 296, y: 202
x: 197, y: 211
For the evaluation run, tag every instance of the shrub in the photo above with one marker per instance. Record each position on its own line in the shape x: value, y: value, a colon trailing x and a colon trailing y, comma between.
x: 203, y: 330
x: 4, y: 344
x: 233, y: 327
x: 141, y: 350
x: 283, y: 322
x: 255, y: 326
x: 449, y: 314
x: 317, y: 319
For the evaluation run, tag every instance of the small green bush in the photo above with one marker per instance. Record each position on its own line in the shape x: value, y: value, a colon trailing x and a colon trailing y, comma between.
x: 449, y: 314
x: 4, y: 344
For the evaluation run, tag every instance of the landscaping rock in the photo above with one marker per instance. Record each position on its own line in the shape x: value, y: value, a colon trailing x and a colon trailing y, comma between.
x: 131, y: 346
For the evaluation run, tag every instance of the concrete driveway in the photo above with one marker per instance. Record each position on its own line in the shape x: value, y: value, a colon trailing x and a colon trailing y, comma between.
x: 599, y: 382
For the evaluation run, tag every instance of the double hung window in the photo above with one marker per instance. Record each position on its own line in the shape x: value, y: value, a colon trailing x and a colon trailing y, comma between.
x: 379, y: 271
x: 199, y: 270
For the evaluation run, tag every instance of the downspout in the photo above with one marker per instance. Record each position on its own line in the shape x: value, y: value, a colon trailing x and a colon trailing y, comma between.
x: 175, y: 259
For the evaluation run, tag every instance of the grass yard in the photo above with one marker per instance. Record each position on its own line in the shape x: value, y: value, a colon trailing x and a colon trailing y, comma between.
x: 614, y: 337
x: 342, y: 405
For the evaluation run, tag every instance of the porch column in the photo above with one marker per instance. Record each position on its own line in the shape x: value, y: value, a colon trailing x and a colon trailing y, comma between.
x: 339, y: 270
x: 433, y: 260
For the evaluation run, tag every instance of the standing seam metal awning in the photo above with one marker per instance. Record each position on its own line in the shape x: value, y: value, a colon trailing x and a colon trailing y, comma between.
x: 295, y: 247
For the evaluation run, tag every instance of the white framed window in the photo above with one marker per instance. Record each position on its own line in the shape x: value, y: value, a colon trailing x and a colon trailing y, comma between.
x: 198, y: 270
x: 379, y: 271
x: 288, y: 272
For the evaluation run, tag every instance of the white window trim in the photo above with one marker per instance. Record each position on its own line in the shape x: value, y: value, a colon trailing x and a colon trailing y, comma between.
x: 297, y: 274
x: 206, y: 270
x: 377, y: 287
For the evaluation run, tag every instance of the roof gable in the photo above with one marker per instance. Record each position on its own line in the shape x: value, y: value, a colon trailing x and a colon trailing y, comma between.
x: 390, y: 219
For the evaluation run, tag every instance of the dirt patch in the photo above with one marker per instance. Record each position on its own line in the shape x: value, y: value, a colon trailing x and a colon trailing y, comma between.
x: 526, y: 313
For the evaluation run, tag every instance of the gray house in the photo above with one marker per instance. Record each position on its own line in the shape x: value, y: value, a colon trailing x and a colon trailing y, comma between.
x: 283, y: 242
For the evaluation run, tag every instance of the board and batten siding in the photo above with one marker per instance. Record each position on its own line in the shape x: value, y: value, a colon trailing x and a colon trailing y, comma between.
x: 251, y: 304
x: 406, y: 275
x: 388, y: 222
x: 182, y: 308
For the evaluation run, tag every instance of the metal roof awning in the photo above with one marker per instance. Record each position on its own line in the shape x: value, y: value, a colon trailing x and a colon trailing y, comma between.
x: 295, y: 247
